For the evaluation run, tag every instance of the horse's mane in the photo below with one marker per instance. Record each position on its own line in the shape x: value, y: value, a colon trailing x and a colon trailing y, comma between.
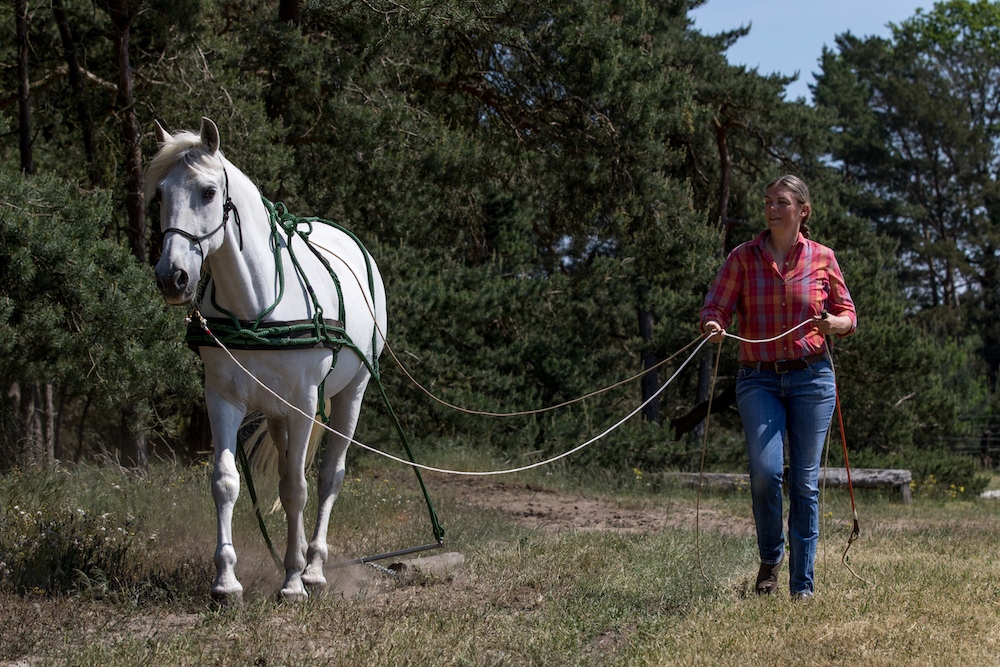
x: 183, y: 146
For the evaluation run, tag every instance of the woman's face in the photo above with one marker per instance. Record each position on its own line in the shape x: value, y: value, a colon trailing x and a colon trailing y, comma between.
x: 782, y: 210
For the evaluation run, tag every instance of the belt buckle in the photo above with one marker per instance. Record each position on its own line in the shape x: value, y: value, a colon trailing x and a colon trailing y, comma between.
x: 781, y: 366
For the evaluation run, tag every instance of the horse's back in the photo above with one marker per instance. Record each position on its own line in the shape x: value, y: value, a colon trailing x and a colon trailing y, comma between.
x: 361, y: 284
x: 349, y: 272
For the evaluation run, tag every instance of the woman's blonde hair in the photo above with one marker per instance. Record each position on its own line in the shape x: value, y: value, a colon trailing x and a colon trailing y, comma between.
x: 798, y: 188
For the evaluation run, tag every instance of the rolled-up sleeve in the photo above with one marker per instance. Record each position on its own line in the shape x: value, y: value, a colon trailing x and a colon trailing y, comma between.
x: 839, y: 301
x: 724, y: 294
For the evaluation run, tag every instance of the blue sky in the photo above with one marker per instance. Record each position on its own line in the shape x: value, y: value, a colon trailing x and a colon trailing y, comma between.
x: 789, y: 36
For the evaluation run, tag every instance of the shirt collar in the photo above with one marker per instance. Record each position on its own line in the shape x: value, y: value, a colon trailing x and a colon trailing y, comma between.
x: 759, y: 241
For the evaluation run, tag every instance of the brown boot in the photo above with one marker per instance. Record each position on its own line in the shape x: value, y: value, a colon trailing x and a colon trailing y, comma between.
x: 767, y: 577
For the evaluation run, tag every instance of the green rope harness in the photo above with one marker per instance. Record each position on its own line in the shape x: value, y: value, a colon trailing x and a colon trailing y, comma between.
x: 315, y: 332
x: 244, y: 335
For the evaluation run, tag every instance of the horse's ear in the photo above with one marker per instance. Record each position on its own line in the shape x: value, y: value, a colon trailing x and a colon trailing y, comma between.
x: 161, y: 135
x: 209, y: 135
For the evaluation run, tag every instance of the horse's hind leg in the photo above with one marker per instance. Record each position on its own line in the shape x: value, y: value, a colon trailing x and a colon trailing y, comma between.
x: 345, y: 408
x: 291, y: 436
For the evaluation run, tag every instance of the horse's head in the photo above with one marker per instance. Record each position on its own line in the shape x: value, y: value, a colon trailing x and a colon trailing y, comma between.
x: 189, y: 176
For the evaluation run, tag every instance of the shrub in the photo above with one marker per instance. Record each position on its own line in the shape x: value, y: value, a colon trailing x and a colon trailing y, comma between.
x: 52, y: 544
x: 935, y: 471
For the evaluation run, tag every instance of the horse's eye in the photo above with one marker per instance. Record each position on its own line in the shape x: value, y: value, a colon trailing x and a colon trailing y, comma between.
x: 209, y: 193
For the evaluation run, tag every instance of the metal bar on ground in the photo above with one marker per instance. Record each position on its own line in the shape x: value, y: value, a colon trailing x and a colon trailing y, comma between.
x: 391, y: 554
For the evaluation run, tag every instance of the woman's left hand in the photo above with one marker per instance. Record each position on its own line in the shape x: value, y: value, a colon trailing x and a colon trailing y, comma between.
x: 834, y: 324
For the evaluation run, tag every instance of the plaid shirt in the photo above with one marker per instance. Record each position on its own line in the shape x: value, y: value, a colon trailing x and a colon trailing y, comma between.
x: 768, y: 303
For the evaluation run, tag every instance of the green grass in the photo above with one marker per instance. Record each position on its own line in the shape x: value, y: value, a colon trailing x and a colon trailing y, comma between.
x: 524, y: 596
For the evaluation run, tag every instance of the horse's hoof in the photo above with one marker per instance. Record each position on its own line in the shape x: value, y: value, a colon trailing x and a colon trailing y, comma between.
x: 226, y: 600
x: 315, y: 587
x: 292, y: 595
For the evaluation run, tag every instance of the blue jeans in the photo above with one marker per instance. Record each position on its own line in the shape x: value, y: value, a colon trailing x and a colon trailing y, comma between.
x: 801, y: 403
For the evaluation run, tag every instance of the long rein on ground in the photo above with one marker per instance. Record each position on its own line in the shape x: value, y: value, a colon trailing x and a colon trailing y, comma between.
x: 331, y: 333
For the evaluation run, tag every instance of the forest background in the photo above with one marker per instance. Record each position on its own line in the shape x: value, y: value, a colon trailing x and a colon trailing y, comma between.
x: 548, y: 188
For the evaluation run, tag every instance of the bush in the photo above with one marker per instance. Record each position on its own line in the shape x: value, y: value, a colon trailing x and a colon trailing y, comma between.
x: 52, y: 544
x: 47, y: 547
x: 935, y: 471
x: 79, y: 313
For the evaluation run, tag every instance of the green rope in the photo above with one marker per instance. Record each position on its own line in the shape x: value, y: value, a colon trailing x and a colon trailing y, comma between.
x: 241, y: 457
x: 243, y: 335
x: 236, y: 335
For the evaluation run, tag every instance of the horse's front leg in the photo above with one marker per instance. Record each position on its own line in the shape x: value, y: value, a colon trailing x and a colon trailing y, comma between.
x: 225, y: 419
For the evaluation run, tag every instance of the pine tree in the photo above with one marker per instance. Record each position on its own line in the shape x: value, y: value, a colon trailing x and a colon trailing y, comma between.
x: 917, y: 127
x: 77, y: 314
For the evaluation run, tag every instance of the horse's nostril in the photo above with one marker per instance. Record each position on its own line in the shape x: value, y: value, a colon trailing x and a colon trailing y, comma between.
x: 172, y: 283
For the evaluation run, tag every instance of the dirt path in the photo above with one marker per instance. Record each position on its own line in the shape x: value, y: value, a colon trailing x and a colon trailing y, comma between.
x: 555, y: 511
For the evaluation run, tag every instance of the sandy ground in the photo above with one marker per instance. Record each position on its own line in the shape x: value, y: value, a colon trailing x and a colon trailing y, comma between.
x: 555, y: 511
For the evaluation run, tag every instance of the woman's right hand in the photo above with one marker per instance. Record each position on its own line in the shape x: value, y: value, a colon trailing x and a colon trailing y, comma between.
x: 714, y: 331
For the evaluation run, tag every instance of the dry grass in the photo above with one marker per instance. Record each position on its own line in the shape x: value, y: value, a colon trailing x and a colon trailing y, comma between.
x: 525, y: 596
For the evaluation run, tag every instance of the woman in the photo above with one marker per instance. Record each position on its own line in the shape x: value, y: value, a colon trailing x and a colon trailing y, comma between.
x: 785, y: 387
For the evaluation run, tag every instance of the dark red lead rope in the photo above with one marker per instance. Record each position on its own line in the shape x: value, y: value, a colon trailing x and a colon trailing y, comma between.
x: 850, y: 485
x: 856, y: 529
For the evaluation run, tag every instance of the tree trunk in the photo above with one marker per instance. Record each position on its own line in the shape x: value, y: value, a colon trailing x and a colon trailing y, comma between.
x: 725, y: 171
x: 122, y: 19
x: 57, y: 450
x: 24, y: 87
x: 696, y: 416
x: 80, y: 443
x: 76, y: 81
x: 32, y: 439
x: 47, y: 421
x: 989, y: 326
x: 135, y: 452
x: 11, y: 426
x: 861, y: 478
x: 704, y: 385
x: 199, y: 432
x: 290, y: 11
x: 135, y: 445
x: 725, y: 174
x: 650, y: 381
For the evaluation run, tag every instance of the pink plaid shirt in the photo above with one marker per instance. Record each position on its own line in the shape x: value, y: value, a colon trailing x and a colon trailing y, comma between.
x: 768, y: 302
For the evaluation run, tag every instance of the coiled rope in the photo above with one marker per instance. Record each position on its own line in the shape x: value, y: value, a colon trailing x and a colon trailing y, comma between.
x: 855, y: 528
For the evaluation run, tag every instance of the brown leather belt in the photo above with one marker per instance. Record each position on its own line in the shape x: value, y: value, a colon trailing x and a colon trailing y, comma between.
x: 784, y: 366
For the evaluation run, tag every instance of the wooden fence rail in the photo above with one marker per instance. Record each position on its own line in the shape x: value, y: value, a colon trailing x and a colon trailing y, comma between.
x: 862, y: 478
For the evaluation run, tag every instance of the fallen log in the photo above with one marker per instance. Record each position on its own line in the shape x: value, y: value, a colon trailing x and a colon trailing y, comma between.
x: 862, y: 478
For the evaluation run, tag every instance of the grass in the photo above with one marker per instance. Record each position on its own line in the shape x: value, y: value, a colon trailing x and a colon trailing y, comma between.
x: 524, y: 596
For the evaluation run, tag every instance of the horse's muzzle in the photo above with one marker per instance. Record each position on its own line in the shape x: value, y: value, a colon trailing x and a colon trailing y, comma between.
x: 175, y: 286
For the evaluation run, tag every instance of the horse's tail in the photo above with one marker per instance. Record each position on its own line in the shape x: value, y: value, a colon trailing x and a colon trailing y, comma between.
x: 262, y: 458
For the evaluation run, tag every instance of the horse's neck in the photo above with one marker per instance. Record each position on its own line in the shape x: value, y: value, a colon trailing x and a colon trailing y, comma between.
x: 244, y: 279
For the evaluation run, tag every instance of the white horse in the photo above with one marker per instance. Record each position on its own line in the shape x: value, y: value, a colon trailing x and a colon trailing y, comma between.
x: 214, y: 221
